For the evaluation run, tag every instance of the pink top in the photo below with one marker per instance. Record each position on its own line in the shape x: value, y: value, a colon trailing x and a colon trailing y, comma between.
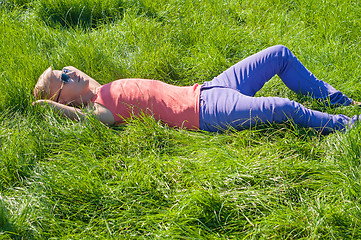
x: 176, y: 106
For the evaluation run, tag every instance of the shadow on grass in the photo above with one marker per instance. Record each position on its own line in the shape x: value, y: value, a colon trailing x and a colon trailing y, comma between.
x: 79, y: 13
x: 87, y: 14
x: 8, y: 230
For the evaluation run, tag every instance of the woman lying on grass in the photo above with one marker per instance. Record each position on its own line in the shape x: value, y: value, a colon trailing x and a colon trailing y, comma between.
x: 225, y: 102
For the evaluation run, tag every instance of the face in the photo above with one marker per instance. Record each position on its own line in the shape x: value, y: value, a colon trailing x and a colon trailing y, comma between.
x: 69, y: 85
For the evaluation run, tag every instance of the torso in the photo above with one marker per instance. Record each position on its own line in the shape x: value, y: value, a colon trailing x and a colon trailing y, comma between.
x: 176, y: 106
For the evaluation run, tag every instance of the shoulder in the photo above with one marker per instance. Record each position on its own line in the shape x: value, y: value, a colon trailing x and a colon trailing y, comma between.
x: 103, y: 114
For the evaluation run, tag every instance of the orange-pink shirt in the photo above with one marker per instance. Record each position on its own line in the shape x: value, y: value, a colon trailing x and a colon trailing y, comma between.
x: 174, y: 105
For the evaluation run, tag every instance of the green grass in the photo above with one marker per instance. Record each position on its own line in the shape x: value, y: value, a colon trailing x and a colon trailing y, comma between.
x: 69, y: 180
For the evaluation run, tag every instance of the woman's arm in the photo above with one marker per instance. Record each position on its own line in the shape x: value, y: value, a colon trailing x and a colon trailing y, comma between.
x: 102, y: 113
x: 63, y: 110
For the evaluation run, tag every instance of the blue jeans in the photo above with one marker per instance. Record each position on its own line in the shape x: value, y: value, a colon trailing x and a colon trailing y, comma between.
x: 228, y: 100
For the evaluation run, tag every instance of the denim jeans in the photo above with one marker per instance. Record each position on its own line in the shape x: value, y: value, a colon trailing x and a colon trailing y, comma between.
x: 228, y: 100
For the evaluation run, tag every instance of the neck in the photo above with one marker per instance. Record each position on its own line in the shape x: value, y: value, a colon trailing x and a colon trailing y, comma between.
x: 93, y: 85
x: 86, y: 98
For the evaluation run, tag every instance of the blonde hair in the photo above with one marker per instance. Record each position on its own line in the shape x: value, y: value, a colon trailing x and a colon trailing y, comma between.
x: 42, y: 87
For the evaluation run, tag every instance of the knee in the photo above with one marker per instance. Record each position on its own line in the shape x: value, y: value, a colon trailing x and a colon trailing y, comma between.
x: 282, y: 51
x: 280, y: 48
x: 285, y: 109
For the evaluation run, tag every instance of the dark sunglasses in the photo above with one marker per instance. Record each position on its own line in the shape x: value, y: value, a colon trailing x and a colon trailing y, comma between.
x: 64, y: 79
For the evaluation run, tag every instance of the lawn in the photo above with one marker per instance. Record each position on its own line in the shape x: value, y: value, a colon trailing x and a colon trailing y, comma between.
x: 61, y: 179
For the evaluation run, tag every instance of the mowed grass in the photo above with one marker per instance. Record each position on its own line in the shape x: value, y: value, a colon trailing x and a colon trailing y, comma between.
x: 82, y: 180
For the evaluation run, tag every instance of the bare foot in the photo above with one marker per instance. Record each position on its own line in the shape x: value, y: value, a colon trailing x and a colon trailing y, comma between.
x: 356, y: 103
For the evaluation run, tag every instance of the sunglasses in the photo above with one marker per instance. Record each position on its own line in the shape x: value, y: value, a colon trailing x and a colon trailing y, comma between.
x: 64, y: 79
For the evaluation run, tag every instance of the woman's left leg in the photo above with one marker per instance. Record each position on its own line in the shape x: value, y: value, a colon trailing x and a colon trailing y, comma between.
x: 223, y: 108
x: 249, y: 75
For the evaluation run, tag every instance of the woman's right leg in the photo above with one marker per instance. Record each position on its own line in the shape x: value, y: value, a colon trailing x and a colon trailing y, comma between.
x: 223, y: 108
x: 249, y: 75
